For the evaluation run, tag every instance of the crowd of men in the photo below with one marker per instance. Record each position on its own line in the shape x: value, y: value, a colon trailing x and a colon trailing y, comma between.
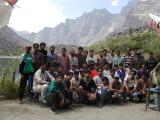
x: 83, y: 77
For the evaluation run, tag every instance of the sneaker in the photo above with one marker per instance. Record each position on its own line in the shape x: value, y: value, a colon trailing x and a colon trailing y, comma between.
x: 20, y: 101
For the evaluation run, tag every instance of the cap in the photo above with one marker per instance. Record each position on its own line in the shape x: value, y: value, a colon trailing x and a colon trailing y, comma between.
x: 28, y: 46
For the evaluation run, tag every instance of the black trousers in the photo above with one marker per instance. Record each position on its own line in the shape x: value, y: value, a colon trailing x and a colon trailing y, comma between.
x: 23, y: 83
x: 54, y: 100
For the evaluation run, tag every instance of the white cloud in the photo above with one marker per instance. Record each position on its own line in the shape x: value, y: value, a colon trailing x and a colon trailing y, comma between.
x: 114, y: 2
x: 34, y: 15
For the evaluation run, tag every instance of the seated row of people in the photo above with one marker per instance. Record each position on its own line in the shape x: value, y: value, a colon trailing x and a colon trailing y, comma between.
x: 80, y: 87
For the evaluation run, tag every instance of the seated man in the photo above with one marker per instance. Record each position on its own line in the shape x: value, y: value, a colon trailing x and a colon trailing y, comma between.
x: 56, y: 96
x: 130, y: 84
x: 116, y: 89
x: 88, y: 87
x: 40, y: 82
x: 103, y: 94
x: 142, y: 85
x: 67, y: 85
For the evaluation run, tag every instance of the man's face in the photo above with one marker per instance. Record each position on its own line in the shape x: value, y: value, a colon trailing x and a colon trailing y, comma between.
x: 43, y: 68
x: 86, y: 75
x: 63, y: 52
x: 59, y: 79
x: 104, y: 52
x: 91, y: 53
x: 80, y: 51
x: 100, y: 53
x: 118, y: 53
x: 28, y: 49
x: 52, y: 49
x: 72, y: 52
x: 105, y: 82
x: 42, y: 47
x: 69, y: 77
x: 36, y: 48
x: 100, y: 72
x: 85, y: 53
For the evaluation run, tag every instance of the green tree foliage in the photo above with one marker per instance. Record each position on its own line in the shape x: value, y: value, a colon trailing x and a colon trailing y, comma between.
x: 146, y: 41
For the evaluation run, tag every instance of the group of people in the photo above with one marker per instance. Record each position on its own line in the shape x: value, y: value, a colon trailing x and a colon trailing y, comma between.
x: 82, y: 76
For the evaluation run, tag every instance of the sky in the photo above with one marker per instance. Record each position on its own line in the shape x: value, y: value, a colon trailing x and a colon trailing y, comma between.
x: 34, y: 15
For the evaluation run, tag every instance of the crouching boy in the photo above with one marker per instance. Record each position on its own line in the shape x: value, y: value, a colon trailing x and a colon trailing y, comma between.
x: 56, y: 96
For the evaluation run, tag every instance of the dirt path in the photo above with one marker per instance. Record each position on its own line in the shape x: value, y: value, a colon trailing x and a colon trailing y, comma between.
x: 10, y: 110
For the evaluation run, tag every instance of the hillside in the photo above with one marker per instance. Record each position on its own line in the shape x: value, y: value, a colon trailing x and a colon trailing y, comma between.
x: 142, y: 38
x: 10, y: 42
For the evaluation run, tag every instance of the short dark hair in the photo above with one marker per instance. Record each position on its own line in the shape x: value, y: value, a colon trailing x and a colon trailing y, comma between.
x: 80, y: 48
x: 42, y: 43
x: 105, y: 79
x: 35, y: 44
x: 64, y: 48
x: 52, y: 46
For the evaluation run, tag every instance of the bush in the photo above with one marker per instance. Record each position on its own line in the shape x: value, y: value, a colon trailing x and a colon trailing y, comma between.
x: 8, y: 87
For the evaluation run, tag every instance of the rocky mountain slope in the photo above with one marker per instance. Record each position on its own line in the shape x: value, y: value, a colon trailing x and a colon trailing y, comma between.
x: 96, y: 25
x: 10, y: 41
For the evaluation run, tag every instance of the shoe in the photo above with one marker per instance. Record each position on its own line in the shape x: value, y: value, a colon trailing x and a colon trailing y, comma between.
x: 20, y: 101
x: 100, y: 105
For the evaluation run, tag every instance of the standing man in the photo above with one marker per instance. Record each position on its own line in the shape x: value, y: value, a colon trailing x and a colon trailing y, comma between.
x: 81, y: 58
x: 151, y: 62
x: 37, y: 56
x: 43, y: 51
x: 64, y: 61
x: 26, y: 69
x: 73, y: 59
x: 52, y: 58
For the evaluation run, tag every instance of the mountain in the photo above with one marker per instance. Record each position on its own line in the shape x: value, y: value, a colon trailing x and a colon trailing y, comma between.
x: 10, y: 41
x: 96, y: 25
x: 138, y: 15
x: 83, y: 30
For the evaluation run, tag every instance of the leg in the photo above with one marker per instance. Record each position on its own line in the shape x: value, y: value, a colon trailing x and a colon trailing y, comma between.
x: 158, y: 101
x: 44, y: 89
x: 23, y: 82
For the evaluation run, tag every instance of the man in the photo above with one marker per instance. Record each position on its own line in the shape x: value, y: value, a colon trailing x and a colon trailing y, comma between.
x: 130, y: 84
x: 116, y: 89
x: 64, y: 61
x: 138, y: 61
x: 121, y: 72
x: 142, y: 85
x: 117, y: 60
x: 91, y: 57
x: 40, y: 82
x: 128, y: 58
x: 109, y: 57
x: 56, y: 98
x: 81, y: 58
x: 52, y: 58
x: 88, y: 86
x: 104, y: 95
x: 142, y: 71
x: 67, y: 85
x: 101, y: 59
x: 37, y: 56
x: 73, y: 59
x: 151, y: 62
x: 26, y: 69
x: 43, y: 51
x: 85, y: 54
